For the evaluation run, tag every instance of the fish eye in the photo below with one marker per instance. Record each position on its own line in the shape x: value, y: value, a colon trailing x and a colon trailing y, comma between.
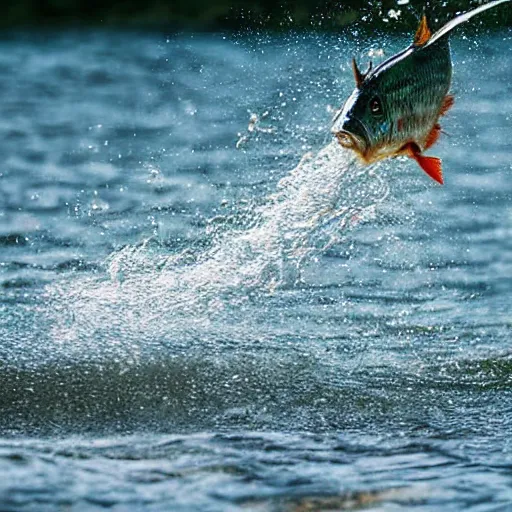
x: 375, y: 107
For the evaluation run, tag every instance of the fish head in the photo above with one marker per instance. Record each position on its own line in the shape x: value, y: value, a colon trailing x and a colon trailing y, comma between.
x: 366, y: 122
x: 361, y: 124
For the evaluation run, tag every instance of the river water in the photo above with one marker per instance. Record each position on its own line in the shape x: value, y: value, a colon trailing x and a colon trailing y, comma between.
x: 207, y: 304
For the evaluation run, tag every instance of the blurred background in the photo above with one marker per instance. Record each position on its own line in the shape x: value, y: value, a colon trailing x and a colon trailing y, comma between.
x: 237, y: 14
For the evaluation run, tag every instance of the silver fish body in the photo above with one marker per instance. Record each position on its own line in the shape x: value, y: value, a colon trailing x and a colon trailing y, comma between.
x: 395, y: 108
x: 400, y: 101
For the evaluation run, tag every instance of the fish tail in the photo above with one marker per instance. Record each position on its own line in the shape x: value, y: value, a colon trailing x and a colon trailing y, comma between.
x: 461, y: 19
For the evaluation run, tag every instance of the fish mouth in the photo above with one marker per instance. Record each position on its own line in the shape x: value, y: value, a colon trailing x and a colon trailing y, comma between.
x: 353, y: 135
x: 346, y: 139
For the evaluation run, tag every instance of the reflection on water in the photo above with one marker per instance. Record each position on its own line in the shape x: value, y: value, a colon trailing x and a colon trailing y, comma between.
x: 208, y: 305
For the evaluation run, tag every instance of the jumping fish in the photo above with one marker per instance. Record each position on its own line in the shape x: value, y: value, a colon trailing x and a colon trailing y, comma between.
x: 395, y: 108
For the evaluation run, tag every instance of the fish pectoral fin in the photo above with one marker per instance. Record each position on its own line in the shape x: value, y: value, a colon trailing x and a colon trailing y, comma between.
x: 430, y: 164
x: 448, y: 102
x: 433, y: 136
x: 423, y: 33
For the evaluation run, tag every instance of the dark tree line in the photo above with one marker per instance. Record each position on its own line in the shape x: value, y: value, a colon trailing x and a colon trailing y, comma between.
x: 239, y: 14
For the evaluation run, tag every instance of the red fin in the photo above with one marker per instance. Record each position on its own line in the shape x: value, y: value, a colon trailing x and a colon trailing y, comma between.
x: 433, y: 136
x: 430, y: 164
x: 423, y: 33
x: 448, y: 102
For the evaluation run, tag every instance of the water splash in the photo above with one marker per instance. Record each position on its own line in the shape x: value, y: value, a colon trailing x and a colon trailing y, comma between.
x: 151, y: 294
x: 313, y: 208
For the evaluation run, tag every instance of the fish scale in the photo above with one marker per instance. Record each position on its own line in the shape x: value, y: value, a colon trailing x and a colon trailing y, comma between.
x: 413, y: 90
x: 395, y: 108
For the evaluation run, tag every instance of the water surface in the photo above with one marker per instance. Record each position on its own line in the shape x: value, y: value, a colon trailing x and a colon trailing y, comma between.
x: 206, y: 304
